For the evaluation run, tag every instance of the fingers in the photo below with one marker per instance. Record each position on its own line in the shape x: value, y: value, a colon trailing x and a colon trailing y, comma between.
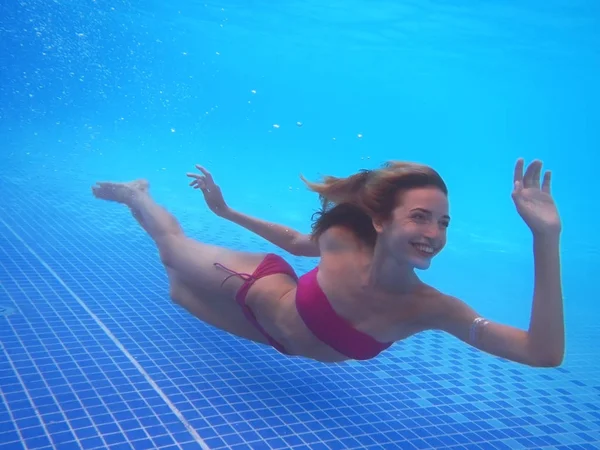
x: 206, y: 173
x: 531, y: 179
x: 547, y: 181
x: 519, y: 170
x: 198, y: 183
x: 532, y: 176
x: 201, y: 181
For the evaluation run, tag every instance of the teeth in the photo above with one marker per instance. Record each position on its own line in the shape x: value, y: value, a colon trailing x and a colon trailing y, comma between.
x: 424, y: 248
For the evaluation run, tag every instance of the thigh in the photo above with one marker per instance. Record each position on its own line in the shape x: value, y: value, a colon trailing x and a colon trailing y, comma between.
x: 195, y: 264
x: 218, y: 310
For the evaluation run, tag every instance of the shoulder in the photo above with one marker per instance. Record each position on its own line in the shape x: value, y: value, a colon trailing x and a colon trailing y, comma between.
x: 347, y: 223
x: 445, y: 312
x: 339, y: 238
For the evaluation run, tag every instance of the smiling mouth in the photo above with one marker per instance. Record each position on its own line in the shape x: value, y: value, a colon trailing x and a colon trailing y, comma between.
x: 424, y: 249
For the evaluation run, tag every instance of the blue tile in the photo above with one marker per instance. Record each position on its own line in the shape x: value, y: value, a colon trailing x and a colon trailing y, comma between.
x: 69, y: 445
x: 37, y: 442
x: 215, y: 443
x: 114, y: 438
x: 9, y: 436
x: 163, y: 440
x: 430, y: 391
x: 156, y: 430
x: 142, y: 444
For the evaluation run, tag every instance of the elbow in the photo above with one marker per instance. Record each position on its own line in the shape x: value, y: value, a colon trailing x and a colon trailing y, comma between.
x: 546, y: 354
x: 292, y: 247
x: 294, y: 251
x: 555, y: 361
x: 548, y: 360
x: 302, y: 245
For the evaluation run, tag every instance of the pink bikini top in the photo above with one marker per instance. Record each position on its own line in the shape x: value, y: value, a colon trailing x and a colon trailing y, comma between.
x: 320, y: 318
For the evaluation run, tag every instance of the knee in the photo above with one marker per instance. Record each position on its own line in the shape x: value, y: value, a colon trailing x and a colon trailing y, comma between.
x: 167, y: 249
x: 176, y: 293
x: 166, y: 256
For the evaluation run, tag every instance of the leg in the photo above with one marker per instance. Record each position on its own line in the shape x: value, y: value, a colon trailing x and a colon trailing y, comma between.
x: 161, y: 225
x: 195, y: 282
x: 187, y: 261
x: 153, y: 218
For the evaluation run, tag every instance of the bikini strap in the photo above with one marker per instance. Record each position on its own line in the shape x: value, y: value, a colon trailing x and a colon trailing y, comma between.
x: 244, y: 276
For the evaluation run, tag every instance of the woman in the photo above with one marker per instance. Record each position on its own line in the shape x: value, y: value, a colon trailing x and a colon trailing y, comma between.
x: 375, y: 229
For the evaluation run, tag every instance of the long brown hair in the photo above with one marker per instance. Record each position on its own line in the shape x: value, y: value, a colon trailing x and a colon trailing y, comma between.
x: 356, y: 200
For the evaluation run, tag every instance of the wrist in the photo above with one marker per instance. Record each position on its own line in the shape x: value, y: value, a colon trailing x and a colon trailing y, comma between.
x: 547, y: 235
x: 226, y: 213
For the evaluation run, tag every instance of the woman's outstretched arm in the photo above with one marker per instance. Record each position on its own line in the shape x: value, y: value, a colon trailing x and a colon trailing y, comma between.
x: 543, y: 344
x: 290, y: 240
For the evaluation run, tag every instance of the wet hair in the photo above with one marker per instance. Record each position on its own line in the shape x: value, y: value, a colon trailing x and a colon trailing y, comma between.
x: 355, y: 201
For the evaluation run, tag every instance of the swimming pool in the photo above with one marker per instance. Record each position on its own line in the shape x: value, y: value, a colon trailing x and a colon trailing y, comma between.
x: 92, y: 352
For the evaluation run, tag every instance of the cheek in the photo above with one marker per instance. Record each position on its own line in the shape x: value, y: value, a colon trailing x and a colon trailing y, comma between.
x: 410, y: 230
x: 443, y: 239
x: 403, y: 237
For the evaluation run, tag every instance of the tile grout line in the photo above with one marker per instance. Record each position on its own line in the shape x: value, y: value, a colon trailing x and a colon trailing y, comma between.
x: 114, y: 339
x: 33, y: 405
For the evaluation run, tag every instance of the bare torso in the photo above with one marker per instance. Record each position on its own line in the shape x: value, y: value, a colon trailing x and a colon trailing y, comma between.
x: 343, y: 275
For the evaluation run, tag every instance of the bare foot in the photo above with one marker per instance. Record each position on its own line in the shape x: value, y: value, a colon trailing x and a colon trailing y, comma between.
x: 120, y: 192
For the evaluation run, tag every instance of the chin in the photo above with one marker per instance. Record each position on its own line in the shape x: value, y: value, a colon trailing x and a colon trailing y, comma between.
x: 420, y: 263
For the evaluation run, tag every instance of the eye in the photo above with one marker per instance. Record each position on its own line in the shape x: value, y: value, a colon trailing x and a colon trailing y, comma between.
x: 419, y: 216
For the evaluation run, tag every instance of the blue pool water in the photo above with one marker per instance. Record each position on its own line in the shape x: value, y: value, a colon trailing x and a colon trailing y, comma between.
x: 93, y: 354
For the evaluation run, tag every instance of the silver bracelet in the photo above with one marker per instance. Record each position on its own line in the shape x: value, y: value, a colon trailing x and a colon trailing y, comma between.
x: 477, y: 324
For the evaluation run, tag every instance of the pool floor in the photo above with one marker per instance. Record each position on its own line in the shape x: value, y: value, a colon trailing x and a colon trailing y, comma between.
x: 93, y: 355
